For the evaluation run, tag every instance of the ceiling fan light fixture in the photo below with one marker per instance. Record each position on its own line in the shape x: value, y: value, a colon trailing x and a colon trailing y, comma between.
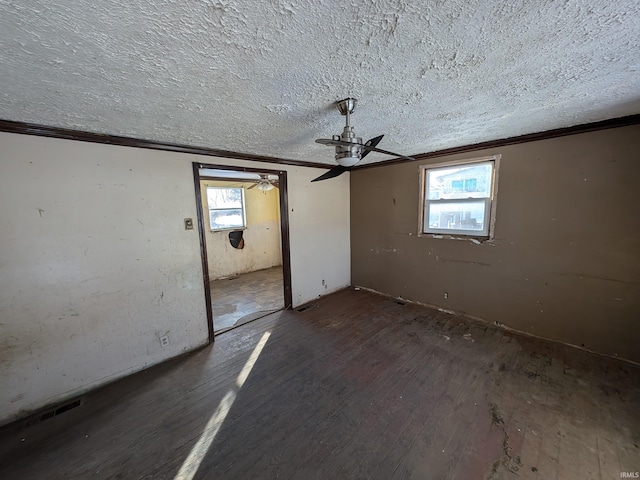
x: 348, y: 161
x: 265, y: 186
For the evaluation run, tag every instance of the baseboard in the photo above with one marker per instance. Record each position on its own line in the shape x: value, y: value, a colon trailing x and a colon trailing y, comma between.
x: 499, y: 325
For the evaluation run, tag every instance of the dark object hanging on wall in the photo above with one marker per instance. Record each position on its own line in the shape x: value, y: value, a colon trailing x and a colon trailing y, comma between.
x: 236, y: 240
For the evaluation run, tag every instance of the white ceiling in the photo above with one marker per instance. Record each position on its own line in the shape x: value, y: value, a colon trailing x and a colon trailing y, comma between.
x: 261, y: 76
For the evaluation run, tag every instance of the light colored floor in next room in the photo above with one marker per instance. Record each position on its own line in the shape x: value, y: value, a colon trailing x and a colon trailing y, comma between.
x: 245, y: 297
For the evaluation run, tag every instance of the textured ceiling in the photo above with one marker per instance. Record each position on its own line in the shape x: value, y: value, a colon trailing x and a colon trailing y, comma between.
x: 261, y: 76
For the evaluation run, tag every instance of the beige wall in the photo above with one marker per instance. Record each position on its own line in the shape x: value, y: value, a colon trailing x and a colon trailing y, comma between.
x: 95, y: 263
x: 262, y: 247
x: 565, y: 261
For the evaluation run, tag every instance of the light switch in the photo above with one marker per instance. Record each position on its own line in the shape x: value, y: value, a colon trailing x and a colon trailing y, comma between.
x: 188, y: 224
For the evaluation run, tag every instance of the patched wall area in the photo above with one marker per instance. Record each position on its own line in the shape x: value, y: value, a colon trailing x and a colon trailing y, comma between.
x: 565, y: 260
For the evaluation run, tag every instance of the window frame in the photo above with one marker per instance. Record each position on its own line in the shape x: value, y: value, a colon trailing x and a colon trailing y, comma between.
x: 490, y: 202
x: 243, y: 207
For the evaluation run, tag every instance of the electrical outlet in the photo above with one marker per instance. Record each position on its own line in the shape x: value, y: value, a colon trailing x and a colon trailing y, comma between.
x: 164, y: 341
x: 446, y: 295
x: 188, y: 224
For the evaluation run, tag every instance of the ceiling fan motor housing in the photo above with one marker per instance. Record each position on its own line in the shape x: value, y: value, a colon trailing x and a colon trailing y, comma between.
x: 348, y: 156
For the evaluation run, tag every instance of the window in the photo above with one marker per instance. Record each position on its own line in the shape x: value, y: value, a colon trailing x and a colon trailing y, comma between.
x: 459, y: 197
x: 226, y: 208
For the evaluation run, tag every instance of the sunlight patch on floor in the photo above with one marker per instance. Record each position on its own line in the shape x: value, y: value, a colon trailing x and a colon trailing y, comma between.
x: 192, y: 462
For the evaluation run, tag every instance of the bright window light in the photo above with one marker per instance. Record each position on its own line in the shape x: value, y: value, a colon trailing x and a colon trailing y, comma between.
x: 191, y: 464
x: 226, y: 208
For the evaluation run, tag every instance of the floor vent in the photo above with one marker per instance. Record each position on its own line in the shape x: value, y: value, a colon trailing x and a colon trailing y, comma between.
x: 400, y: 302
x: 41, y: 417
x: 306, y: 307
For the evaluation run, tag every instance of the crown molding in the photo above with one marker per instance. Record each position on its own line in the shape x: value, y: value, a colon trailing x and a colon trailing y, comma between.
x: 24, y: 128
x: 531, y: 137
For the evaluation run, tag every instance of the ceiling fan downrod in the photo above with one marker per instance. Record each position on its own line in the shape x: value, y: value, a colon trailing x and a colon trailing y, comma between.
x: 348, y: 155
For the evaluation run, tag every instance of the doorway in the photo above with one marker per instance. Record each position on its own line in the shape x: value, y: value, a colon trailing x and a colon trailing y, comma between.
x: 244, y: 239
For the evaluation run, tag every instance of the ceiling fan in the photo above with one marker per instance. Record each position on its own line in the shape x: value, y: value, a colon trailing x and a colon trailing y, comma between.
x: 265, y: 183
x: 349, y: 148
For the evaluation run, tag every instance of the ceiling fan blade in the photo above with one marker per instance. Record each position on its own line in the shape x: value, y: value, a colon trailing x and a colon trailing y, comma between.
x: 371, y: 143
x: 253, y: 186
x: 326, y: 141
x: 334, y: 172
x: 387, y: 152
x: 329, y: 141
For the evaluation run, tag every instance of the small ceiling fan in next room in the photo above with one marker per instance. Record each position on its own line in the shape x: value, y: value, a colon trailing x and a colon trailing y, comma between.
x: 265, y: 183
x: 349, y: 148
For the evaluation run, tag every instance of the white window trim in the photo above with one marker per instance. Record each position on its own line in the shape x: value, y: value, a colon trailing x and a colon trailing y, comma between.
x: 490, y: 213
x: 244, y: 210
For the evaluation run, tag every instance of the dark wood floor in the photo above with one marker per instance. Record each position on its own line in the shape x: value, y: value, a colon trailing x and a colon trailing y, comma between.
x: 245, y: 297
x: 356, y: 386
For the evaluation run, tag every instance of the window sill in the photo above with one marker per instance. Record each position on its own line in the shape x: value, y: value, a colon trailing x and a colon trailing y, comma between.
x: 457, y: 236
x: 231, y: 229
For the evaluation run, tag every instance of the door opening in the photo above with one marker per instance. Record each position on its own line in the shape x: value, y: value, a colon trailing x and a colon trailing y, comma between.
x: 243, y: 226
